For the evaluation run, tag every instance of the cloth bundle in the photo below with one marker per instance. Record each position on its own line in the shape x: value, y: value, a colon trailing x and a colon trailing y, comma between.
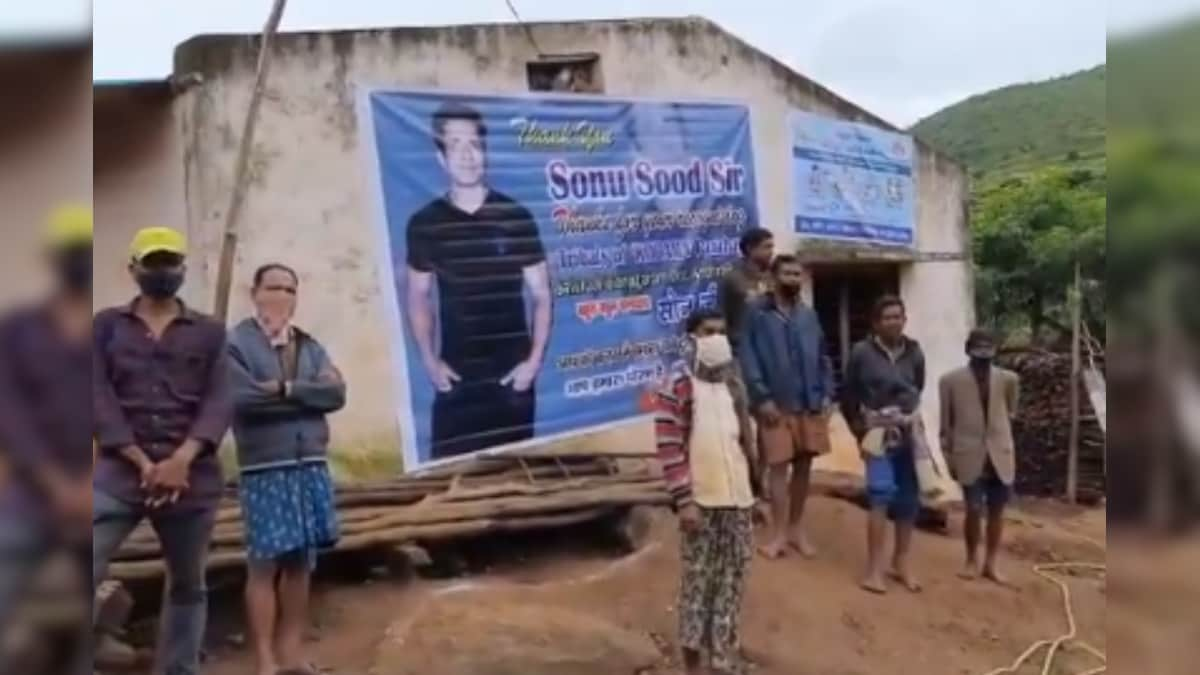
x: 888, y: 429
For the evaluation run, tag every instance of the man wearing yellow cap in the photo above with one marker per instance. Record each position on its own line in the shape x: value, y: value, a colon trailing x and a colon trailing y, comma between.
x: 161, y: 405
x: 45, y: 431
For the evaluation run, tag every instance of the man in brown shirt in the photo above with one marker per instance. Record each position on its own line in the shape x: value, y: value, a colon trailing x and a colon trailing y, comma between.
x: 162, y: 405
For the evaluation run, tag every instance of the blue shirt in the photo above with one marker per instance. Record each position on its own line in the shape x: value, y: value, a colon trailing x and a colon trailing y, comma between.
x: 783, y: 358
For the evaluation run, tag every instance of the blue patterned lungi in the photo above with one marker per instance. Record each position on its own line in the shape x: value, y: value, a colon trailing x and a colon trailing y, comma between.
x: 289, y: 514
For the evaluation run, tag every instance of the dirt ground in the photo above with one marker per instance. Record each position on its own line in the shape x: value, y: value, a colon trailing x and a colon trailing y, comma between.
x: 801, y: 617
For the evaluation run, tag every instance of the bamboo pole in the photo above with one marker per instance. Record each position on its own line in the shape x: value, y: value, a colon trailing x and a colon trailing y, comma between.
x: 241, y: 167
x: 1076, y: 301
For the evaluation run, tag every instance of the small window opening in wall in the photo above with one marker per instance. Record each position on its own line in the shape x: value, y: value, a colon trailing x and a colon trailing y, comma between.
x: 578, y: 73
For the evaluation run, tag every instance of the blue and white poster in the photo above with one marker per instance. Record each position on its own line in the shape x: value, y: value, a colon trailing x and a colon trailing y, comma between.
x: 542, y: 252
x: 852, y: 182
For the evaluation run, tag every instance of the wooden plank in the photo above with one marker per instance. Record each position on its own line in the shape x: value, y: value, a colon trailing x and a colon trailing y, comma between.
x: 225, y: 560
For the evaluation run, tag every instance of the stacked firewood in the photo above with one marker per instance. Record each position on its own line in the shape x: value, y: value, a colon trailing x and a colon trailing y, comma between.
x: 1043, y: 425
x: 488, y: 496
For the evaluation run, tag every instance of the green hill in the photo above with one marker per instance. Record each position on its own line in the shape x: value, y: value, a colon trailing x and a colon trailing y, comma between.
x: 1026, y: 126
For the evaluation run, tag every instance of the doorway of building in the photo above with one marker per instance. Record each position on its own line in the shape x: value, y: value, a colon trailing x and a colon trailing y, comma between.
x: 843, y: 296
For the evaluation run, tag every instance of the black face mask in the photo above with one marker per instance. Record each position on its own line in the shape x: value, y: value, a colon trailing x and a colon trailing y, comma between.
x: 789, y: 290
x: 73, y: 268
x: 980, y: 363
x: 159, y: 284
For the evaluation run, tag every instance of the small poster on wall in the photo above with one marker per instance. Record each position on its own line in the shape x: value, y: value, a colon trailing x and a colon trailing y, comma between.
x: 852, y: 182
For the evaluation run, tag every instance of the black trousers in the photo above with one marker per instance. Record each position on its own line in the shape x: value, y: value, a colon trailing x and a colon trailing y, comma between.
x: 477, y: 415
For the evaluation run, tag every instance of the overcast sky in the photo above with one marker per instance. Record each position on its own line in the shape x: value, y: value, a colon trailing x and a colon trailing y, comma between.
x: 901, y: 59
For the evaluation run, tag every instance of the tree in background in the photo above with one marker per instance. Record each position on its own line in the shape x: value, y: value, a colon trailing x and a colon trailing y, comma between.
x: 1028, y: 234
x: 1156, y: 228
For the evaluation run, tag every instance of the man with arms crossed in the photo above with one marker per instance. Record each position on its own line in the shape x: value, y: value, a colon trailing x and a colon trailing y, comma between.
x: 482, y: 251
x: 978, y: 402
x: 284, y: 385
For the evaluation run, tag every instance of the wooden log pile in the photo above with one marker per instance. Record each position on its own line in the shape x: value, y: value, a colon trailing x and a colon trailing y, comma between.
x: 1042, y: 428
x: 486, y: 497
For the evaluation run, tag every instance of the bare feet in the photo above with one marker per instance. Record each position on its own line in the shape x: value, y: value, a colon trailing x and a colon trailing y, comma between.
x: 773, y: 550
x: 992, y: 574
x: 970, y: 571
x: 874, y: 583
x: 799, y: 542
x: 906, y: 580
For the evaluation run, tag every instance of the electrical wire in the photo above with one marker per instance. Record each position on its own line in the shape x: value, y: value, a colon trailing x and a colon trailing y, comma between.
x: 528, y: 31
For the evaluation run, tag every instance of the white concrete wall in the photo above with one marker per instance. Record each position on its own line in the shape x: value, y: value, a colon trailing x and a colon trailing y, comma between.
x: 138, y: 182
x: 940, y: 295
x: 311, y: 204
x: 45, y: 157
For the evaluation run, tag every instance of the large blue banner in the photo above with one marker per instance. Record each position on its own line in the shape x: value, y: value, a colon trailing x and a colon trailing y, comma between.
x: 851, y: 181
x: 544, y: 252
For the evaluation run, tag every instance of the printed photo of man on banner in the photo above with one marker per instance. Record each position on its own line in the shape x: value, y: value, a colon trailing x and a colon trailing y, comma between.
x: 543, y: 252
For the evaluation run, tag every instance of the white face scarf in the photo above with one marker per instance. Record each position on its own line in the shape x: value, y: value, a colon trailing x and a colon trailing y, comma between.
x: 714, y: 351
x: 280, y: 338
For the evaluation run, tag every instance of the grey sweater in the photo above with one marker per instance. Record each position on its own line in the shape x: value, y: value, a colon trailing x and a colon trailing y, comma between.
x: 273, y: 430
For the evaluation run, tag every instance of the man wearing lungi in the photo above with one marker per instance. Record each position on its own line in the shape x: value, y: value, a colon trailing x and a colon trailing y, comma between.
x: 284, y: 385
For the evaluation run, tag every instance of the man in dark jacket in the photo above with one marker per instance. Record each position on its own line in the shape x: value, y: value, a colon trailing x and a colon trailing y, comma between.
x: 790, y: 385
x: 284, y: 384
x: 885, y: 377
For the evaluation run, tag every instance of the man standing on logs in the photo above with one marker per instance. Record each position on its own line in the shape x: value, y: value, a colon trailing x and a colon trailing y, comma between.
x: 162, y: 405
x: 706, y: 448
x: 284, y: 384
x: 791, y: 391
x: 44, y: 391
x: 978, y: 402
x: 885, y: 376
